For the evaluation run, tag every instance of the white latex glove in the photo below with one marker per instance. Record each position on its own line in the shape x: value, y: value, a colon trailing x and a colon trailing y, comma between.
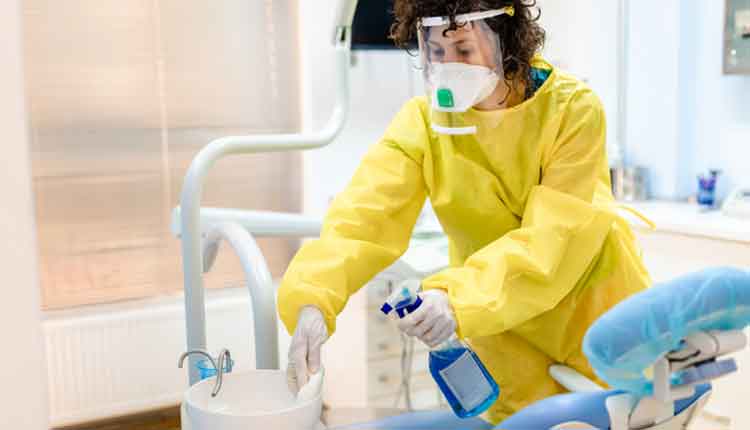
x: 313, y: 387
x: 433, y: 322
x: 304, y: 351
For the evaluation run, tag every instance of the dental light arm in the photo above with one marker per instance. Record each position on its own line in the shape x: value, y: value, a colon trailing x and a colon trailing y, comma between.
x: 190, y: 211
x: 259, y: 284
x: 344, y: 16
x: 260, y: 223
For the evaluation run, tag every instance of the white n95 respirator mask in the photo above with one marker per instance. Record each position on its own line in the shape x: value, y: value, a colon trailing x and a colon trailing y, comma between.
x: 456, y: 87
x: 462, y: 64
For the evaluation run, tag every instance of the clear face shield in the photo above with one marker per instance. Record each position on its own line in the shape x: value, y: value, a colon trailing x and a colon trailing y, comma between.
x: 462, y: 66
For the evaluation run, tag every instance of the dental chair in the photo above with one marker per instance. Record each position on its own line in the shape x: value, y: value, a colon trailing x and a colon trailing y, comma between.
x: 659, y: 350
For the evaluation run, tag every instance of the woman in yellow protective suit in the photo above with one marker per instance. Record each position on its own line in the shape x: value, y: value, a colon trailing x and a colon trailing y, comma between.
x: 511, y: 153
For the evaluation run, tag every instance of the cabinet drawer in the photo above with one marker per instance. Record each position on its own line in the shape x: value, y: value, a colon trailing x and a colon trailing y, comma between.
x: 386, y: 343
x: 378, y: 322
x: 381, y: 347
x: 384, y: 376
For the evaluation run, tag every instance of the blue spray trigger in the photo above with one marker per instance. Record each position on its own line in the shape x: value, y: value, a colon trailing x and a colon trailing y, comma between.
x: 404, y: 300
x: 404, y: 310
x: 386, y: 308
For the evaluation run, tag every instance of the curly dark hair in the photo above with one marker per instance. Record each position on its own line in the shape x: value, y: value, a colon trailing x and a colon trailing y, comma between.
x: 520, y: 35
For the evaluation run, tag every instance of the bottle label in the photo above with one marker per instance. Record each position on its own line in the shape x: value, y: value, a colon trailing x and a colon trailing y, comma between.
x: 467, y: 382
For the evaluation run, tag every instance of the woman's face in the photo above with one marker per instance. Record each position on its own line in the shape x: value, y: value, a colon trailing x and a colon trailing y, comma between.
x: 467, y: 44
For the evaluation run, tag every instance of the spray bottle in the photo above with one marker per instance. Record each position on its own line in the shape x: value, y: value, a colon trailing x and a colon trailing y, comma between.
x: 465, y: 382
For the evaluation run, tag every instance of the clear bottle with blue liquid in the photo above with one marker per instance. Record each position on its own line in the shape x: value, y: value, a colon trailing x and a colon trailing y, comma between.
x: 464, y: 381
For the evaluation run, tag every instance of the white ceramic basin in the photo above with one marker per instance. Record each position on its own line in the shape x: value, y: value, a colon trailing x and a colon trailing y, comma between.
x: 254, y: 399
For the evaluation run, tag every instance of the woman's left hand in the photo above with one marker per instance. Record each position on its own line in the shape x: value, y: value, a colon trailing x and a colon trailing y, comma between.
x: 433, y: 322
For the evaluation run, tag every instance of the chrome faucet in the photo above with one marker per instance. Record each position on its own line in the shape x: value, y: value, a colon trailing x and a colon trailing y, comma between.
x: 224, y: 357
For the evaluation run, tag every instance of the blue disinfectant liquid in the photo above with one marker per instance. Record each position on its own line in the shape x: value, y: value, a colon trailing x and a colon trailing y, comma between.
x: 465, y: 382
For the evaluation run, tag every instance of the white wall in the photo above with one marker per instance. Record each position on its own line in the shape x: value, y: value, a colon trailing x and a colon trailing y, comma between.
x: 653, y: 96
x: 569, y: 30
x: 381, y: 81
x: 380, y: 84
x: 717, y: 120
x: 685, y: 116
x: 23, y: 400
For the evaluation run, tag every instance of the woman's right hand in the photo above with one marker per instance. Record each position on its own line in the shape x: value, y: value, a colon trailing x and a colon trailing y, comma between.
x: 304, y: 351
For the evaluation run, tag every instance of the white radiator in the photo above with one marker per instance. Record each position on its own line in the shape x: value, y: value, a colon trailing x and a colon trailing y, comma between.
x: 113, y: 360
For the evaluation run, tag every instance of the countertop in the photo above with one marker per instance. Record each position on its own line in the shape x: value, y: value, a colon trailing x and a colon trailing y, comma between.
x: 690, y: 219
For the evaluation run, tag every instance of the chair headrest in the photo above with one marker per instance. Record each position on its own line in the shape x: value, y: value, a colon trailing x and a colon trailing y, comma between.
x: 629, y: 338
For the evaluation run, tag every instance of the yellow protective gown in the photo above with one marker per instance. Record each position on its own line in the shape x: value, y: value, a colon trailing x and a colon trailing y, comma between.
x: 537, y: 250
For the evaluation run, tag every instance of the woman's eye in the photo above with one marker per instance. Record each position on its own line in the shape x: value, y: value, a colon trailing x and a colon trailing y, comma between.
x: 438, y: 52
x: 464, y: 52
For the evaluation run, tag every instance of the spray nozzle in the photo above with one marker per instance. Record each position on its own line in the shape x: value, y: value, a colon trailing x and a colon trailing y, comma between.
x: 404, y: 300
